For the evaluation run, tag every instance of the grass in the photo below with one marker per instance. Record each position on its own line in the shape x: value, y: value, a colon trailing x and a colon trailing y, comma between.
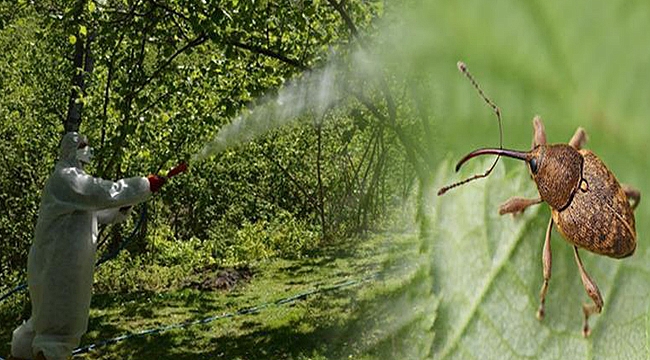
x: 325, y: 321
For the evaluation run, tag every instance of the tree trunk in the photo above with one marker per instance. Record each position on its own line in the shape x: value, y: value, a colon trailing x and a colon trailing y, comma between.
x: 83, y: 64
x: 321, y: 194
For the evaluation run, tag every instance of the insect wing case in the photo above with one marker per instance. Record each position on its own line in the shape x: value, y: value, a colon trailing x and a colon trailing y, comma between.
x: 599, y: 217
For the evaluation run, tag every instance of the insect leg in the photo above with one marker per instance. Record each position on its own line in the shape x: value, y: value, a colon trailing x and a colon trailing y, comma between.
x: 592, y: 290
x: 579, y: 139
x: 539, y: 135
x: 632, y: 194
x: 546, y: 264
x: 516, y: 205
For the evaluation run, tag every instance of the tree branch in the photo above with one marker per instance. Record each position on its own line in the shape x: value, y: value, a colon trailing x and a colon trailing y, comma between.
x: 413, y: 151
x: 319, y: 175
x: 306, y: 194
x: 169, y: 10
x: 346, y: 18
x: 269, y: 53
x: 196, y: 42
x: 107, y: 90
x: 73, y: 119
x: 82, y: 64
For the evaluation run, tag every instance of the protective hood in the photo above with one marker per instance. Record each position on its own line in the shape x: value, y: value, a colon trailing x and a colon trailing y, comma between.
x: 68, y: 150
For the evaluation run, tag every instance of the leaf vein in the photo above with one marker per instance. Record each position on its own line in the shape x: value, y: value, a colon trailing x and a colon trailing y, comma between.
x: 491, y: 277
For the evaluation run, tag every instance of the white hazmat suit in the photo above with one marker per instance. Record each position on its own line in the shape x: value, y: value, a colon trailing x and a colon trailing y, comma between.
x: 62, y: 257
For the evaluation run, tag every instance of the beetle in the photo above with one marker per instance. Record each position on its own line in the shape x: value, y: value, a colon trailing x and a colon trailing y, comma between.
x: 589, y: 207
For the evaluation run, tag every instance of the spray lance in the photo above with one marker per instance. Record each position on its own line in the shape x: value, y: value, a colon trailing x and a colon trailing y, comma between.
x: 157, y: 181
x: 178, y: 169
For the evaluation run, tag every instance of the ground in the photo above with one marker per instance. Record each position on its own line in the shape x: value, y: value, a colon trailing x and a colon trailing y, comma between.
x: 334, y: 304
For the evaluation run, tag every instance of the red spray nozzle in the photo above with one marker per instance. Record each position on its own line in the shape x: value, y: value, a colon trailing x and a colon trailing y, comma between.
x: 180, y: 168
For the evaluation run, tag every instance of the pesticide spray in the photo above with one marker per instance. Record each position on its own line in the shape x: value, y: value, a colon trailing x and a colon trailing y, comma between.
x: 314, y: 92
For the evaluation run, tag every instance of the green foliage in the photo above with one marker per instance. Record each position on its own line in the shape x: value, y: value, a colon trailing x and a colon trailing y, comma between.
x: 128, y: 273
x: 284, y: 236
x: 28, y: 132
x: 165, y: 250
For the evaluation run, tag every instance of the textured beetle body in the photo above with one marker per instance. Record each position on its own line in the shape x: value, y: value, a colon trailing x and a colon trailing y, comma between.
x: 599, y: 217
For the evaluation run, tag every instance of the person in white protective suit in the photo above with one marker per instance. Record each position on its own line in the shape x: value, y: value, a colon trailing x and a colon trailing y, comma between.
x: 62, y: 257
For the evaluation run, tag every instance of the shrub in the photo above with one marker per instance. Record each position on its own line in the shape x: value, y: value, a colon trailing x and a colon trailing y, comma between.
x: 283, y: 236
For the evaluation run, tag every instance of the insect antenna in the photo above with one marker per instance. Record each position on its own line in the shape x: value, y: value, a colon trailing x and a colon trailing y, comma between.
x: 462, y: 67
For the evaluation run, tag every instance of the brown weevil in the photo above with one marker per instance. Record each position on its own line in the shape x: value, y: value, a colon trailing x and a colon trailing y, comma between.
x: 590, y: 208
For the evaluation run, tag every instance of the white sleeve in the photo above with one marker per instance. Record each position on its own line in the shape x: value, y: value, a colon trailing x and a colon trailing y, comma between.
x: 112, y: 216
x: 81, y: 191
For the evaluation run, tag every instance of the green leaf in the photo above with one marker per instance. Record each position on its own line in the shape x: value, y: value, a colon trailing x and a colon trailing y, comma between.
x: 83, y: 31
x: 487, y: 274
x: 72, y: 39
x: 91, y: 7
